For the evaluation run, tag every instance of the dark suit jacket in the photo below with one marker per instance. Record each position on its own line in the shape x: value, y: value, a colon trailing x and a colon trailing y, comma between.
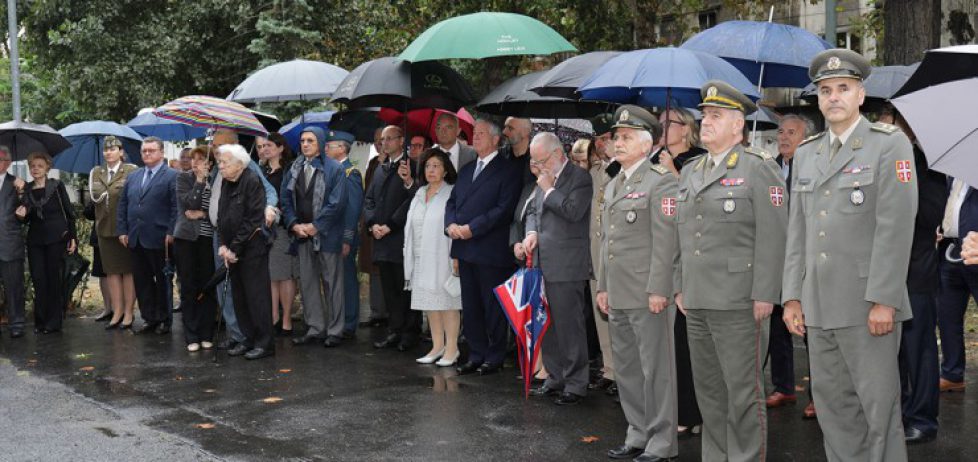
x: 562, y: 222
x: 932, y: 198
x: 148, y: 214
x: 189, y: 195
x: 487, y: 206
x: 241, y: 214
x: 967, y: 220
x: 11, y: 237
x: 387, y: 203
x: 55, y: 220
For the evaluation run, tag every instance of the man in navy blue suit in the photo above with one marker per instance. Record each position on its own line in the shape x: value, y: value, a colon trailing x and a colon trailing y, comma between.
x: 477, y: 218
x: 146, y: 216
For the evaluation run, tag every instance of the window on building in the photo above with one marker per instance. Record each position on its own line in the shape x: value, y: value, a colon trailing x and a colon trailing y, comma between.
x: 708, y: 19
x: 848, y: 40
x: 669, y: 31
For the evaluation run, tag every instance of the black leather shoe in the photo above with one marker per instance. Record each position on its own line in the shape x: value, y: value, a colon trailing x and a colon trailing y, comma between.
x: 377, y: 322
x: 567, y: 399
x: 625, y: 452
x: 407, y: 345
x: 651, y: 458
x: 16, y: 333
x: 305, y: 340
x: 226, y: 344
x: 258, y: 353
x: 544, y: 391
x: 349, y: 335
x: 600, y: 384
x: 467, y: 368
x: 486, y: 368
x: 915, y: 435
x: 105, y: 316
x: 111, y: 326
x: 162, y: 329
x: 332, y: 341
x: 391, y: 341
x: 238, y: 350
x: 612, y: 389
x: 145, y: 329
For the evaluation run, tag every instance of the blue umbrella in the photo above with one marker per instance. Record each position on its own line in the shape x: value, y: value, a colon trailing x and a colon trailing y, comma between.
x: 769, y: 54
x: 661, y: 77
x: 293, y: 130
x: 150, y: 124
x: 86, y: 140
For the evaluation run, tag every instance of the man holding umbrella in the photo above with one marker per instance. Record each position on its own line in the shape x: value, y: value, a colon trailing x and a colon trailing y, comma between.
x: 851, y: 225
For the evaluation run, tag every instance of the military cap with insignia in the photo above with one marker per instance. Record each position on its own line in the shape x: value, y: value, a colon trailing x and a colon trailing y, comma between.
x: 839, y: 62
x: 336, y: 135
x: 111, y: 141
x: 601, y: 123
x: 631, y: 116
x: 717, y: 93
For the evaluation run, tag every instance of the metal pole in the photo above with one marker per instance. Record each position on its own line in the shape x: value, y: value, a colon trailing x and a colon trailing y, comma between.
x: 829, y: 22
x: 12, y: 31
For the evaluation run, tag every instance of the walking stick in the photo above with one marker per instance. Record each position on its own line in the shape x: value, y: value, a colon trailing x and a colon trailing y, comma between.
x: 220, y: 310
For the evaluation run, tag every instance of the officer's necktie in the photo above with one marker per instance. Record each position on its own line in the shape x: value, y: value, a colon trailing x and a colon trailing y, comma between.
x: 619, y: 183
x: 478, y: 169
x: 109, y: 180
x: 836, y: 146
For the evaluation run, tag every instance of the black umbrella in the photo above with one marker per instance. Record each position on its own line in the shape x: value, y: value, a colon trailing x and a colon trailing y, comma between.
x: 269, y: 121
x: 942, y: 65
x: 563, y: 79
x: 392, y: 82
x: 219, y: 276
x: 513, y: 98
x: 361, y: 123
x: 24, y: 138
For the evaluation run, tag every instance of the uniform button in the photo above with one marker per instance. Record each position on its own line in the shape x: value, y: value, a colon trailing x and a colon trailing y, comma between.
x: 750, y: 264
x: 699, y: 235
x: 823, y: 255
x: 696, y: 253
x: 699, y: 199
x: 612, y: 226
x: 827, y: 192
x: 699, y: 217
x: 611, y: 242
x: 821, y: 234
x: 823, y: 213
x: 611, y: 257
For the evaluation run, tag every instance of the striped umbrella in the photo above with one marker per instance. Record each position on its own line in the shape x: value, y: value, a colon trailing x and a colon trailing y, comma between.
x: 211, y: 112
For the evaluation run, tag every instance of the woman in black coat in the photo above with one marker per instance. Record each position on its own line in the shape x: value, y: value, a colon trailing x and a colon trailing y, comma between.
x: 244, y: 248
x: 51, y: 233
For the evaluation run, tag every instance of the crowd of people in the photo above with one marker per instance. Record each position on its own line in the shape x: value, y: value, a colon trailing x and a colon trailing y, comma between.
x: 675, y: 256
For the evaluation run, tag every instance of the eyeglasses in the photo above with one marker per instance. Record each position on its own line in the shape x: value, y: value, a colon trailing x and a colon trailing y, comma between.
x: 541, y: 162
x: 670, y: 122
x: 417, y: 145
x: 390, y: 138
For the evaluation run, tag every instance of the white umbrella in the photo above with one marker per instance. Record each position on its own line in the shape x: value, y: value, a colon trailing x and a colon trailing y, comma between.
x: 299, y: 79
x: 942, y: 117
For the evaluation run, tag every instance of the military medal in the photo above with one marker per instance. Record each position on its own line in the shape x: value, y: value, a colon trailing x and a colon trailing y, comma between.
x: 631, y: 216
x: 729, y: 206
x: 857, y: 197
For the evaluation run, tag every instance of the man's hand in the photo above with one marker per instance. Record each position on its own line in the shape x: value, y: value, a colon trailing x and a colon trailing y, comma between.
x: 346, y: 250
x: 21, y: 212
x: 657, y: 303
x: 602, y: 300
x: 311, y: 229
x: 545, y: 179
x: 453, y: 231
x: 679, y: 303
x: 72, y: 246
x: 762, y: 310
x: 794, y: 318
x: 124, y: 240
x: 518, y: 251
x: 881, y: 319
x: 168, y: 240
x: 465, y: 232
x: 299, y: 231
x: 530, y: 243
x: 270, y: 216
x: 969, y: 249
x: 404, y: 171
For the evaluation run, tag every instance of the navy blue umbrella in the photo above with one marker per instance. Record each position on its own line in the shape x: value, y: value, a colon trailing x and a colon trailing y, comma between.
x: 769, y: 54
x: 86, y: 140
x: 661, y: 77
x: 293, y: 130
x: 150, y: 124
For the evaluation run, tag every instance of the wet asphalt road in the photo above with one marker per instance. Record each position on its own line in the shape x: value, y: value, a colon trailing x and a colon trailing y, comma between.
x: 116, y: 396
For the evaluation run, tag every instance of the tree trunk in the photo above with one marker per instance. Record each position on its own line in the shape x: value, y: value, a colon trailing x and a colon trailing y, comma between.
x: 910, y: 28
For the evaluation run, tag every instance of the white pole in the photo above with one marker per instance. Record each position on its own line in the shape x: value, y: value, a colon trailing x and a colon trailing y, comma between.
x: 12, y: 30
x: 760, y: 78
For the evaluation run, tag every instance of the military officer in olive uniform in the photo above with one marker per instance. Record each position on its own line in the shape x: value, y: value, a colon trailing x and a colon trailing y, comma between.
x: 850, y: 233
x: 635, y: 283
x: 732, y: 218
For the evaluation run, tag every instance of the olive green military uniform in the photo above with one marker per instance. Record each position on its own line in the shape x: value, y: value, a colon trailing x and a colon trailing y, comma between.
x: 638, y: 255
x: 732, y: 220
x: 850, y: 232
x: 599, y: 178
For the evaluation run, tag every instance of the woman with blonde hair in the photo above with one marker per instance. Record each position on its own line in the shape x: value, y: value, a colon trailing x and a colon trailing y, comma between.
x: 680, y: 139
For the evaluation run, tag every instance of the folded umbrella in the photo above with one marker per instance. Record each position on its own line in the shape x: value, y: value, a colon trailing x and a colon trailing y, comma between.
x: 524, y: 302
x: 24, y: 138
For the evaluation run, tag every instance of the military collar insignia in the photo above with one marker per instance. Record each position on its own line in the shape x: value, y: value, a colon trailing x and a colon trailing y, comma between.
x: 702, y: 161
x: 732, y: 159
x: 857, y: 143
x: 660, y: 169
x: 810, y: 138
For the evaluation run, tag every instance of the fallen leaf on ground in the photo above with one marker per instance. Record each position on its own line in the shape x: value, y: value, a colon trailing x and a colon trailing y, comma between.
x: 271, y: 400
x: 285, y: 371
x: 799, y: 388
x: 87, y: 368
x: 205, y: 426
x: 210, y: 390
x: 179, y: 377
x: 806, y: 378
x: 83, y: 355
x: 589, y: 439
x: 23, y: 373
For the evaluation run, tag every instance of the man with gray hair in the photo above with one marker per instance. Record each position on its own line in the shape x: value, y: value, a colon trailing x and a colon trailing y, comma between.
x: 11, y: 245
x: 446, y: 134
x: 557, y: 218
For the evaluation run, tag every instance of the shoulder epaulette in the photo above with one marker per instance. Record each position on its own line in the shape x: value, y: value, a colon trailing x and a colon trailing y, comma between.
x: 884, y: 128
x: 812, y: 138
x: 660, y: 169
x: 758, y: 152
x: 700, y: 160
x: 350, y: 170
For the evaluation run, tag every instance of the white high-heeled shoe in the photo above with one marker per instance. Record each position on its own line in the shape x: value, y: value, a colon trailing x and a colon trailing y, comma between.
x: 446, y: 362
x: 431, y: 358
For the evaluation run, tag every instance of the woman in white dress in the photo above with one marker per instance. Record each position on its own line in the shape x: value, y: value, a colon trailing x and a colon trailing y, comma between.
x: 429, y: 271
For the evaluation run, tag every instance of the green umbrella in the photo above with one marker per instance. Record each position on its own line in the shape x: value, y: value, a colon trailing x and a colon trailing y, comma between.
x: 484, y: 35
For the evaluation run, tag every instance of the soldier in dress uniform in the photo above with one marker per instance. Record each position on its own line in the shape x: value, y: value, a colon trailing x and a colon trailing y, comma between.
x: 851, y: 227
x: 732, y: 219
x: 635, y: 283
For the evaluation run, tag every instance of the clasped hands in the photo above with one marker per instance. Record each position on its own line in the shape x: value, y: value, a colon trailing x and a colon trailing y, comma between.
x: 304, y: 230
x: 379, y: 231
x: 459, y: 232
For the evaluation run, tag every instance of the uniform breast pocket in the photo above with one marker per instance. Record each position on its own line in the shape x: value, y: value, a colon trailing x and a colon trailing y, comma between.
x: 801, y: 195
x: 682, y: 206
x: 858, y: 192
x: 733, y: 205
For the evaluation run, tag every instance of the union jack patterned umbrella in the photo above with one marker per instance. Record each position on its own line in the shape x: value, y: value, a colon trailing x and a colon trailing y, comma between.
x: 210, y: 112
x: 524, y: 302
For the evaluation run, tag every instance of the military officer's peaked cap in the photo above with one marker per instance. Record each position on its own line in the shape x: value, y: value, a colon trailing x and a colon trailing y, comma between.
x: 839, y: 62
x: 111, y: 141
x: 601, y: 123
x: 717, y: 93
x: 336, y: 135
x: 631, y: 116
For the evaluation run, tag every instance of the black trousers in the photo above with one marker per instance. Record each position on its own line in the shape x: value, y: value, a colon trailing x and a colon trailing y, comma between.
x: 483, y: 322
x: 195, y: 266
x: 47, y: 262
x: 12, y: 276
x: 919, y: 367
x: 689, y: 409
x: 151, y: 286
x: 403, y: 320
x: 958, y: 284
x: 593, y: 344
x: 781, y: 350
x: 253, y: 297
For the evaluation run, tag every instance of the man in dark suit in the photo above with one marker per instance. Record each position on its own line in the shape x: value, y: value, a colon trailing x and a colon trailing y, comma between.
x: 385, y: 212
x: 146, y: 217
x: 11, y: 246
x: 557, y: 230
x: 477, y: 218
